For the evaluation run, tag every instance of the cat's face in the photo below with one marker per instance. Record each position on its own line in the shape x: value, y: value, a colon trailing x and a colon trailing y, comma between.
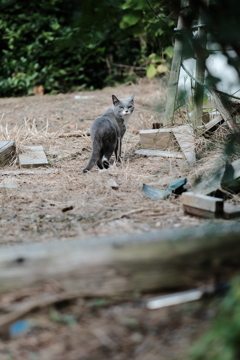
x: 123, y: 107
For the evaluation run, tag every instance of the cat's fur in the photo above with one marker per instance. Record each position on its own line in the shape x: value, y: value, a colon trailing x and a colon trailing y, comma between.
x: 107, y: 132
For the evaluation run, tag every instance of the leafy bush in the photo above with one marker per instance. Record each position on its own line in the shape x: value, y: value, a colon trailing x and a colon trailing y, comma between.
x: 62, y: 45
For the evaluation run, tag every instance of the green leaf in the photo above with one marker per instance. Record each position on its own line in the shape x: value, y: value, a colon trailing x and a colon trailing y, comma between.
x: 151, y: 71
x: 168, y: 51
x: 129, y: 20
x: 162, y: 68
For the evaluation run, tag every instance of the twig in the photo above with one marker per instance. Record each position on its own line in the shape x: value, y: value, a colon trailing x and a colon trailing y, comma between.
x: 125, y: 215
x: 26, y: 307
x: 130, y: 66
x: 74, y: 134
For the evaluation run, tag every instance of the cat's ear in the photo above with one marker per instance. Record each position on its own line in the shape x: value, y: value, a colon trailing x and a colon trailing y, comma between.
x: 115, y: 100
x: 132, y: 97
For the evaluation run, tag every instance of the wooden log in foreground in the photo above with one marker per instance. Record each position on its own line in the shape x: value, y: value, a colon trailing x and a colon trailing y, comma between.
x: 128, y: 264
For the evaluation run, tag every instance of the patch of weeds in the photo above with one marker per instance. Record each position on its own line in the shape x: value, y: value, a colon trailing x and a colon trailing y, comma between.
x: 222, y: 340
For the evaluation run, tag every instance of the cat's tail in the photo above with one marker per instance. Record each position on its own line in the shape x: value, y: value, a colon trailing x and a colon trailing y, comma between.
x: 94, y: 156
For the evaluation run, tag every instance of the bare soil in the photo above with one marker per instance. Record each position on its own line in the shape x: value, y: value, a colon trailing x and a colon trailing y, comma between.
x: 67, y: 203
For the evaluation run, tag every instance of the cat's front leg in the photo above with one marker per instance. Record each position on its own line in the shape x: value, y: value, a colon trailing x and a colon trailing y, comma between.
x: 118, y: 150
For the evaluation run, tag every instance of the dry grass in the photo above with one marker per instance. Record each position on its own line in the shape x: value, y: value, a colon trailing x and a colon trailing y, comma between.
x: 38, y: 209
x: 32, y: 211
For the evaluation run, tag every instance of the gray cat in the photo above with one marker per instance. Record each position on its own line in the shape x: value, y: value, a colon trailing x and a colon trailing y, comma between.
x: 107, y: 132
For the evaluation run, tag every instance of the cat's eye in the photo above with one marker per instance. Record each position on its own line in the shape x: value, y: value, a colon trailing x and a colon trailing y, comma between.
x: 121, y: 107
x: 129, y: 107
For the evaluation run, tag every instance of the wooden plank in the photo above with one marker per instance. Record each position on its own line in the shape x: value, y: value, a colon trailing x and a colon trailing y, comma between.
x: 34, y: 156
x: 219, y: 176
x: 28, y: 172
x: 175, y: 69
x: 186, y: 142
x: 169, y: 154
x: 211, y: 124
x: 190, y: 210
x: 219, y: 101
x: 125, y: 265
x: 231, y: 211
x: 9, y: 183
x: 156, y: 139
x: 203, y: 202
x: 7, y: 151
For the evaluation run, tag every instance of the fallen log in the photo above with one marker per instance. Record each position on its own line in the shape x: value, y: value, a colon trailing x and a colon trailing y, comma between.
x: 126, y: 265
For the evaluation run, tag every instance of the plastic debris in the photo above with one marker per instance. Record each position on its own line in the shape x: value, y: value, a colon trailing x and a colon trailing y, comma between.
x: 20, y: 327
x: 176, y: 187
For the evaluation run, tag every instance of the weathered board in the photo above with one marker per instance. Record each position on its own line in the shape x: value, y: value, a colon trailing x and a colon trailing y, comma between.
x: 157, y: 139
x: 7, y: 151
x: 125, y: 265
x: 211, y: 124
x: 28, y: 172
x: 169, y: 154
x: 186, y: 142
x: 9, y: 183
x: 202, y: 205
x: 219, y: 101
x: 33, y: 156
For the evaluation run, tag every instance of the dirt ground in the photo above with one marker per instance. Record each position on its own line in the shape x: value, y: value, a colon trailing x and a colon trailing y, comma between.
x: 34, y: 209
x: 59, y: 202
x: 96, y: 329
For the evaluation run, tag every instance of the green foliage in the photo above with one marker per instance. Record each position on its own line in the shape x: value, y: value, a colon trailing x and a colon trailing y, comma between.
x: 63, y: 45
x: 156, y: 65
x: 222, y: 340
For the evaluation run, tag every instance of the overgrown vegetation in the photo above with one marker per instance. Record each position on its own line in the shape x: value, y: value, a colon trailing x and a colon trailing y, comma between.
x: 63, y: 45
x: 222, y: 340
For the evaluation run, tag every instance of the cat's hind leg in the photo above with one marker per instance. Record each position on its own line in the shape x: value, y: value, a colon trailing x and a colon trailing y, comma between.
x: 107, y: 153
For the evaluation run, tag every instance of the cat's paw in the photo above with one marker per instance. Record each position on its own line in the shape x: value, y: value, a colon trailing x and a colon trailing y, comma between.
x: 106, y: 164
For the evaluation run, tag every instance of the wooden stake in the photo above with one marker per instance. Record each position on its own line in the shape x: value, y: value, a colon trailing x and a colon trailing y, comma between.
x: 175, y: 70
x: 200, y: 72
